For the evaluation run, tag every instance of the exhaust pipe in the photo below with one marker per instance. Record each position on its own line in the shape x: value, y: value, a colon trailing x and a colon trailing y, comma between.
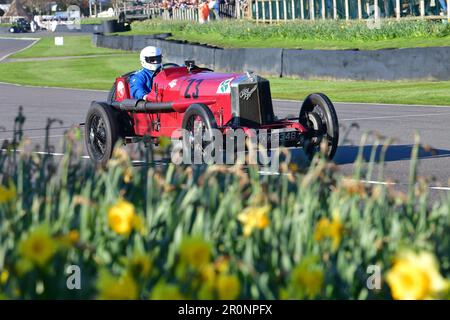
x: 142, y: 106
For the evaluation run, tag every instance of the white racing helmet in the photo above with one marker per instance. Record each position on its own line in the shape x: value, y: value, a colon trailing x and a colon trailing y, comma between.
x: 151, y: 58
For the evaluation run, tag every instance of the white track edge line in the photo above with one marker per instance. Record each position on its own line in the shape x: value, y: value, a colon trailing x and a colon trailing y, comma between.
x: 260, y: 172
x: 23, y: 49
x: 374, y: 103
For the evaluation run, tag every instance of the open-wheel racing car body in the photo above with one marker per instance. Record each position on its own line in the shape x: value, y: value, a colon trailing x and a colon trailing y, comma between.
x: 184, y: 96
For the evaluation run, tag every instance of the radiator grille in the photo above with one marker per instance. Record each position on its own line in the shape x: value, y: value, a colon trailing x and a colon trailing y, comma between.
x: 252, y: 101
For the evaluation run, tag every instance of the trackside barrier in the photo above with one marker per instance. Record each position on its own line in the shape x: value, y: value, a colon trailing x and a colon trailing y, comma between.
x: 390, y: 64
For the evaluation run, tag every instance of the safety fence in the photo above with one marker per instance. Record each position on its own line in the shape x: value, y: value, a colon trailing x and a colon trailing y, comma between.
x: 278, y: 10
x: 282, y: 10
x: 190, y: 13
x: 229, y: 11
x: 180, y: 14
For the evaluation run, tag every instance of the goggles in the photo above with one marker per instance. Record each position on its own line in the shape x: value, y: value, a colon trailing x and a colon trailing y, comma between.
x: 153, y: 60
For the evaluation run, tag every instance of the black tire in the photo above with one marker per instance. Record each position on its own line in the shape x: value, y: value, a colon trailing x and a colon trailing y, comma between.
x: 318, y: 107
x: 101, y: 132
x: 112, y: 95
x: 198, y: 112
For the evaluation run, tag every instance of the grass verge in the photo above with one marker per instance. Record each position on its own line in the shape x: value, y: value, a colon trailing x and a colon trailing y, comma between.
x: 94, y: 20
x: 82, y: 73
x: 73, y: 46
x: 305, y: 34
x: 100, y: 72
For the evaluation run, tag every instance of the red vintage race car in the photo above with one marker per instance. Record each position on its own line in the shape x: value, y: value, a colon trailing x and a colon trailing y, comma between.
x: 183, y: 97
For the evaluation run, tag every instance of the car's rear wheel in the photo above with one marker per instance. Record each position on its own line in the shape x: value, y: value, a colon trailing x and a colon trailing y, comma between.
x: 101, y: 132
x: 318, y: 115
x: 198, y: 123
x: 112, y: 95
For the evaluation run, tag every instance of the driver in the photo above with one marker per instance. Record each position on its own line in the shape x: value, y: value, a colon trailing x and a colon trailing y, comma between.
x: 141, y: 81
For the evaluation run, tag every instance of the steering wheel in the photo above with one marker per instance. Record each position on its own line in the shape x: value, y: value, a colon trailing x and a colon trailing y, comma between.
x: 163, y: 66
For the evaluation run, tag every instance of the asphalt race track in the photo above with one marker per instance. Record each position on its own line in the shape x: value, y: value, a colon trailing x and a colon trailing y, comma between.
x: 9, y: 46
x: 396, y: 121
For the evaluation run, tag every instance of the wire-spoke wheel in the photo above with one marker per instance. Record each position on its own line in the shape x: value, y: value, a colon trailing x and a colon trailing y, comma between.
x: 319, y: 117
x: 101, y: 132
x: 198, y: 123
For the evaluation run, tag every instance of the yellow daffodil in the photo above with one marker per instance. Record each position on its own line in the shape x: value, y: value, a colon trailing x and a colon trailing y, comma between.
x: 254, y: 218
x: 206, y: 292
x: 415, y: 277
x: 322, y: 229
x: 208, y: 274
x: 69, y: 239
x: 116, y: 288
x: 293, y: 167
x: 164, y: 142
x: 139, y: 224
x: 122, y: 217
x: 128, y: 175
x: 222, y: 264
x: 195, y: 252
x: 310, y: 280
x: 140, y: 264
x: 7, y: 194
x: 166, y: 291
x: 306, y: 280
x: 38, y: 247
x: 333, y: 229
x: 4, y: 276
x: 228, y: 287
x: 119, y: 157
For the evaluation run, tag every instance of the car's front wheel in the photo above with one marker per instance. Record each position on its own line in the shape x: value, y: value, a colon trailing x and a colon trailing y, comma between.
x: 198, y: 123
x: 101, y: 132
x: 319, y: 117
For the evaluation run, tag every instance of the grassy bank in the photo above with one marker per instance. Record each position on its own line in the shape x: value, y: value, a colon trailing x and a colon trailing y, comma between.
x: 83, y: 73
x: 100, y: 72
x: 94, y: 20
x: 305, y: 34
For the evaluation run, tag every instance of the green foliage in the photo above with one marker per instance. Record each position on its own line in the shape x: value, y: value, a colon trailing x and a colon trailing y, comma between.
x: 320, y: 30
x: 94, y: 20
x: 369, y: 224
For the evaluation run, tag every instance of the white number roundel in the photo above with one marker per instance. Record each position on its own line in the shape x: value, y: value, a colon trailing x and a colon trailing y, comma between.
x: 121, y: 89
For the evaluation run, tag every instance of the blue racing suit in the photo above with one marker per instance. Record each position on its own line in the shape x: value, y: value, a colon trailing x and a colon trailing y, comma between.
x: 141, y: 83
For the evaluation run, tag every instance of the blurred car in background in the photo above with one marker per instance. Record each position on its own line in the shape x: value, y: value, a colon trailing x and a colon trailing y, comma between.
x: 21, y: 25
